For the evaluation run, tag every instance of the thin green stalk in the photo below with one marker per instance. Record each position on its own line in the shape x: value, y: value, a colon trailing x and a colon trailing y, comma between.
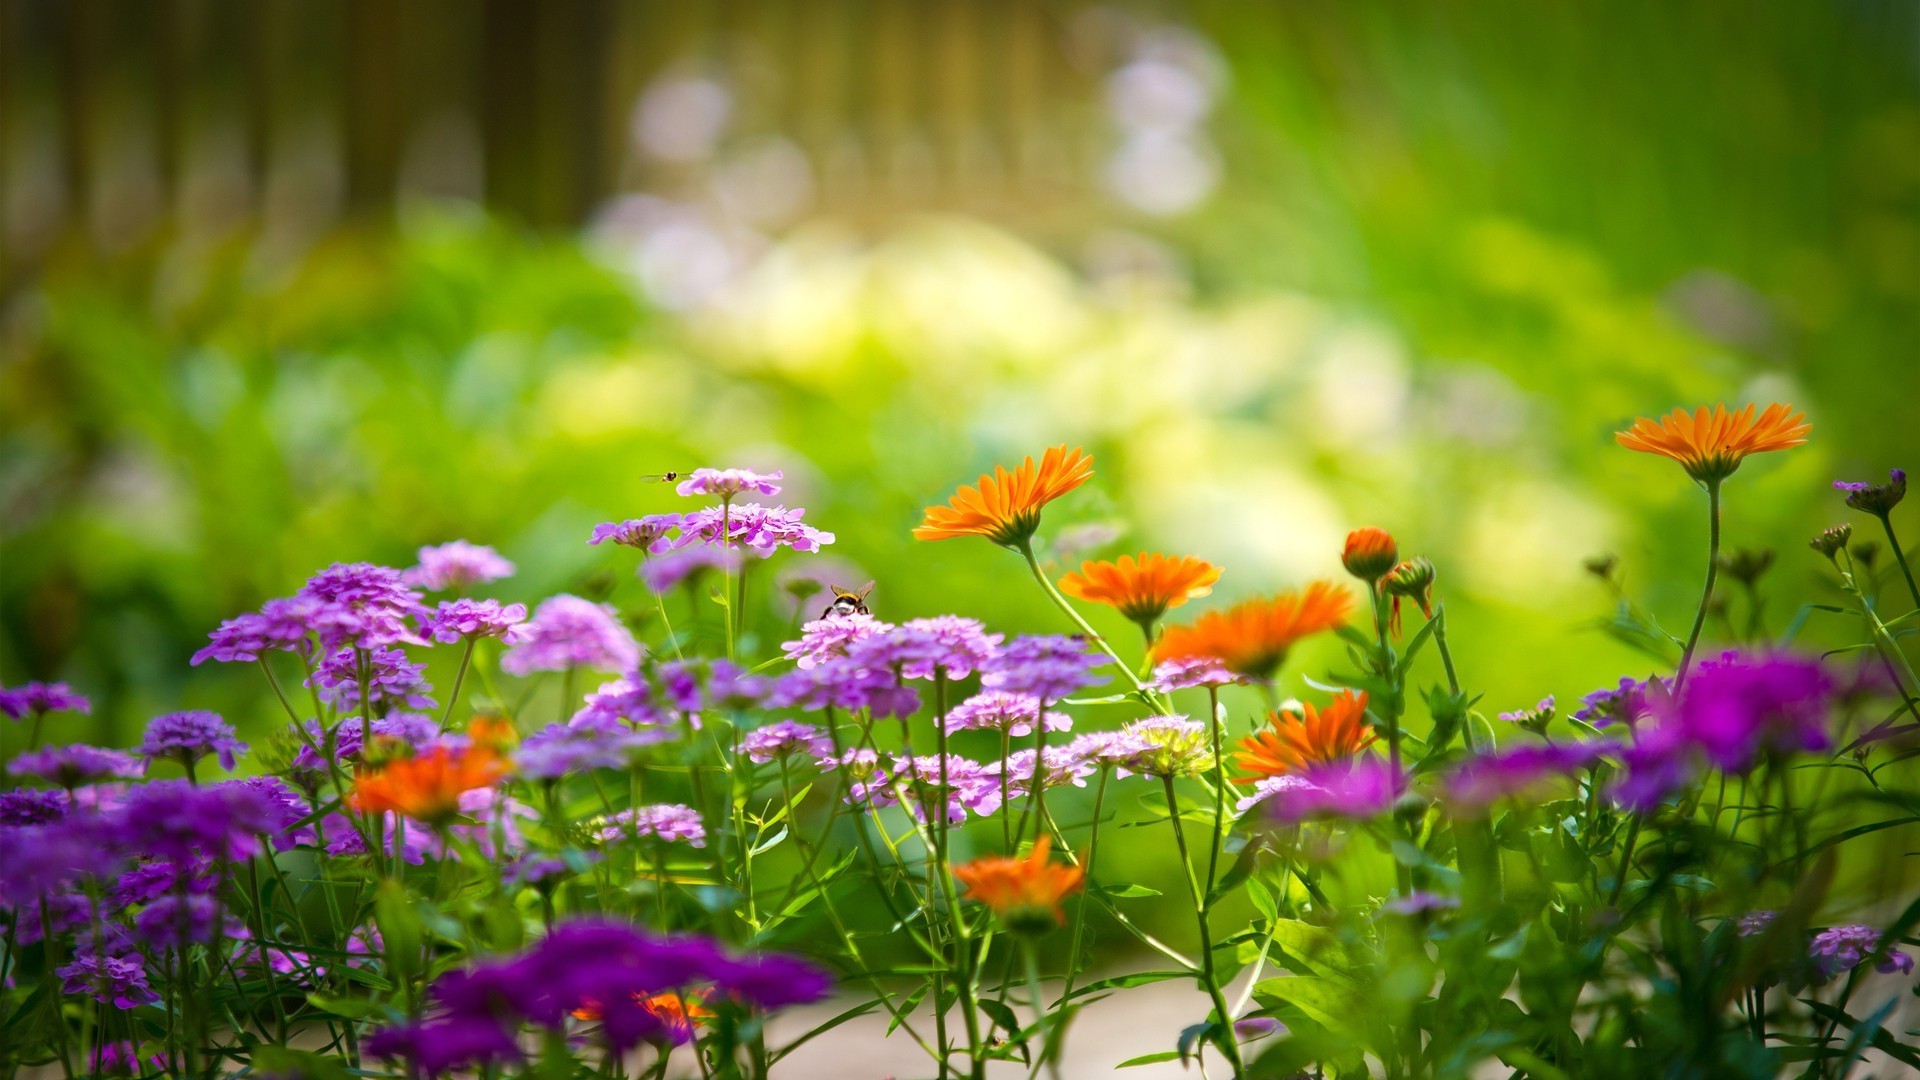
x: 1713, y: 573
x: 1209, y: 980
x: 1041, y: 1017
x: 1900, y: 556
x: 1080, y: 909
x: 459, y: 677
x: 1059, y: 601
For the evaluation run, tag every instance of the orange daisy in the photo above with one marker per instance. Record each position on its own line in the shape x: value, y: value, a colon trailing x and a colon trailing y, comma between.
x: 1025, y: 893
x: 1253, y: 636
x: 1142, y: 587
x: 1308, y: 737
x: 427, y: 787
x: 1005, y: 506
x: 1711, y: 444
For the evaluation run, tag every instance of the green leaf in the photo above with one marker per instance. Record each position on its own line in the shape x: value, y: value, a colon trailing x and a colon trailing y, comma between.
x: 1150, y: 1059
x: 1331, y: 1003
x: 1123, y: 982
x: 353, y: 1008
x: 1127, y: 890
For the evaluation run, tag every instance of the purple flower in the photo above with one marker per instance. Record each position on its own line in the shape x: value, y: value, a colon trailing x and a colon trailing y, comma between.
x: 1628, y: 703
x: 663, y: 573
x: 1064, y: 767
x: 1355, y: 790
x: 361, y: 605
x: 38, y: 697
x: 75, y: 765
x: 457, y: 620
x: 177, y: 920
x: 1115, y: 749
x: 1877, y: 499
x: 280, y: 624
x: 761, y: 530
x: 411, y: 729
x: 437, y: 1046
x: 40, y: 859
x: 285, y: 811
x: 1420, y: 903
x: 1754, y: 923
x: 1176, y: 746
x: 186, y: 737
x: 783, y: 739
x: 1249, y: 1028
x: 727, y: 483
x: 921, y: 647
x: 667, y: 821
x: 627, y: 701
x: 1194, y: 671
x: 1266, y: 788
x: 646, y: 533
x: 123, y: 1059
x: 456, y: 565
x: 63, y: 913
x: 1046, y: 666
x: 997, y: 710
x: 969, y: 785
x: 539, y: 870
x: 831, y: 637
x: 842, y: 683
x: 174, y: 819
x: 1481, y: 780
x: 1739, y: 706
x: 151, y: 880
x: 1842, y: 948
x: 568, y: 632
x: 1535, y: 719
x: 392, y: 681
x: 120, y: 982
x: 30, y: 807
x: 561, y: 749
x: 866, y: 780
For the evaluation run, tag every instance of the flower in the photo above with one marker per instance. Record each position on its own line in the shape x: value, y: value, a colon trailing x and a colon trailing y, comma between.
x: 663, y: 573
x: 968, y: 784
x: 1064, y: 767
x: 648, y: 533
x: 1711, y: 444
x: 1535, y: 719
x: 1482, y: 780
x: 356, y: 604
x: 677, y: 1013
x: 30, y: 807
x: 392, y: 682
x: 1299, y: 739
x: 427, y: 786
x: 74, y: 765
x: 1176, y: 746
x: 1252, y: 637
x: 627, y: 700
x: 123, y: 1059
x: 1738, y: 706
x: 785, y: 738
x: 1369, y: 553
x: 438, y: 1046
x: 920, y: 648
x: 1629, y: 703
x: 1355, y: 789
x: 279, y: 624
x: 184, y: 822
x: 117, y: 981
x: 187, y: 737
x: 1411, y: 579
x: 751, y: 527
x: 37, y: 697
x: 177, y: 920
x: 1755, y: 923
x: 1842, y: 948
x: 1832, y: 540
x: 1010, y: 714
x: 1142, y: 587
x: 1190, y: 672
x: 1024, y: 893
x: 1109, y: 749
x: 1266, y: 788
x: 1420, y: 903
x: 568, y: 632
x: 560, y: 749
x: 1877, y: 499
x: 1044, y: 666
x: 826, y: 638
x: 457, y: 620
x: 727, y: 483
x: 407, y: 730
x: 1005, y: 506
x: 671, y: 822
x: 456, y: 565
x: 842, y: 683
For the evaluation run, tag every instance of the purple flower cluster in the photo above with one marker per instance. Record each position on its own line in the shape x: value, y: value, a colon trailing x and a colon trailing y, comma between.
x: 393, y: 682
x: 186, y: 737
x: 568, y: 632
x: 648, y: 533
x: 1843, y: 948
x: 457, y: 565
x: 969, y: 785
x: 671, y: 822
x: 1628, y: 703
x: 458, y: 620
x: 664, y: 573
x: 608, y: 966
x: 119, y: 981
x: 1009, y: 714
x: 1118, y: 750
x: 1192, y: 672
x: 30, y: 807
x: 626, y: 701
x: 357, y: 605
x: 844, y: 683
x: 1046, y: 666
x: 1063, y: 767
x: 727, y: 483
x: 921, y: 648
x: 32, y: 698
x: 751, y: 527
x: 561, y: 749
x: 785, y: 739
x: 349, y: 738
x: 829, y: 638
x: 1484, y: 779
x: 1877, y: 499
x: 1354, y: 790
x: 74, y: 765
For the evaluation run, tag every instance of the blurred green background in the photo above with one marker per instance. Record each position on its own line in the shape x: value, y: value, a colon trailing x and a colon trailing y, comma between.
x: 287, y: 283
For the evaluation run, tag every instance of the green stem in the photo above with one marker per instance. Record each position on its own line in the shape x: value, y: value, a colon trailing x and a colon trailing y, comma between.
x: 726, y: 570
x: 1080, y: 909
x: 459, y: 677
x: 1209, y: 981
x: 1048, y: 1051
x: 1059, y: 601
x: 1713, y: 572
x: 1900, y: 556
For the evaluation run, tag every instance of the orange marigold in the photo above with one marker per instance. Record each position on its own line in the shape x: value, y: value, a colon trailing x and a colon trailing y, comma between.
x: 1253, y: 636
x: 427, y: 787
x: 1005, y: 506
x: 1142, y: 587
x: 1711, y: 444
x: 1025, y: 893
x: 1295, y: 740
x: 1369, y: 553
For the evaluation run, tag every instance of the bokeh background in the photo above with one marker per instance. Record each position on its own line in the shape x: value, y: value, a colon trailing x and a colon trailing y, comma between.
x: 284, y: 283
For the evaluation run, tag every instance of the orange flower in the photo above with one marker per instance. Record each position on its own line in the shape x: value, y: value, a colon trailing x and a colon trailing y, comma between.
x: 1369, y: 553
x: 1025, y: 893
x: 1005, y: 508
x: 427, y: 787
x: 1142, y: 587
x: 1252, y: 637
x: 1711, y: 445
x: 679, y: 1012
x: 1309, y: 737
x: 493, y: 731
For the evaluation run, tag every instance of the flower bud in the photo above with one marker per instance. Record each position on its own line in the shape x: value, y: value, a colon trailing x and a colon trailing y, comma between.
x: 1746, y: 565
x: 1832, y: 541
x: 1876, y: 499
x: 1414, y: 579
x: 1369, y: 553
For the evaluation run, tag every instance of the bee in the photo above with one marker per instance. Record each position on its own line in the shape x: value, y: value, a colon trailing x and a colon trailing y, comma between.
x: 848, y: 603
x: 667, y: 477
